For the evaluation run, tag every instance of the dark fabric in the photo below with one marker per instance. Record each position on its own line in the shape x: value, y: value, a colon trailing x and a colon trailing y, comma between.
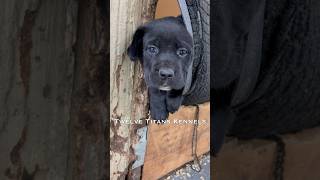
x: 287, y: 95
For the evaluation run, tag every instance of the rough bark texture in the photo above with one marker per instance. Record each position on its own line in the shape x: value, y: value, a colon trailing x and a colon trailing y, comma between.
x: 53, y: 92
x: 89, y: 98
x: 128, y: 92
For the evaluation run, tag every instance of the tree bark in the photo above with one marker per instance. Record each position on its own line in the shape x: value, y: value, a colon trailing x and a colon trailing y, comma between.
x: 128, y: 91
x: 53, y: 92
x: 89, y: 110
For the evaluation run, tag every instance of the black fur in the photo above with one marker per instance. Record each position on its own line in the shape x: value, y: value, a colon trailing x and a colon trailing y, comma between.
x: 159, y: 45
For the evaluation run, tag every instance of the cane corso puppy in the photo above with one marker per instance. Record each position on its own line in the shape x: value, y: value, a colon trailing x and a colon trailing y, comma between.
x: 164, y: 48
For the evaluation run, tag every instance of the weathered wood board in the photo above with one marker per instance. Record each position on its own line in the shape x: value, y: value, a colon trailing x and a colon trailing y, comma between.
x: 128, y: 95
x: 254, y: 159
x: 170, y: 145
x: 53, y: 89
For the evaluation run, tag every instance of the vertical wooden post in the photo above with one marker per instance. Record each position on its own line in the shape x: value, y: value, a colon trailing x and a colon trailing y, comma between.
x: 53, y: 89
x: 128, y: 95
x: 36, y: 77
x: 89, y: 102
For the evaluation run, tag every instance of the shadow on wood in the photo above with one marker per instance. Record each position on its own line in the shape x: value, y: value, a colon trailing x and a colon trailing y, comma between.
x: 254, y: 159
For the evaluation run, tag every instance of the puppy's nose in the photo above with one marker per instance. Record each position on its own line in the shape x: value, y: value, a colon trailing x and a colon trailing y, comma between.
x: 166, y: 73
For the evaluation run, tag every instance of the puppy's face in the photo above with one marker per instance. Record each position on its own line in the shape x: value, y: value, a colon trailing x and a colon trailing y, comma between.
x: 164, y: 47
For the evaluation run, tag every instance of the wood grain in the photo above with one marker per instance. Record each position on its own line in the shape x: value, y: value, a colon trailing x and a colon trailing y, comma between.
x: 53, y: 92
x: 170, y: 145
x: 128, y: 93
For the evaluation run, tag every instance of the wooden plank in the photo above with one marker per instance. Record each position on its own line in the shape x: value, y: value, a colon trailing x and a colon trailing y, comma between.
x: 37, y: 58
x: 167, y: 8
x: 170, y: 145
x: 254, y: 159
x: 54, y: 89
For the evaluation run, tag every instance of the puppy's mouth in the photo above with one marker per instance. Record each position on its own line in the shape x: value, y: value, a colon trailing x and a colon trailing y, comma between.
x: 165, y: 88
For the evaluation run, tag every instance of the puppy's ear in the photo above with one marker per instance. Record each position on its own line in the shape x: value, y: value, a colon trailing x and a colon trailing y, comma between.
x: 135, y: 49
x: 180, y: 19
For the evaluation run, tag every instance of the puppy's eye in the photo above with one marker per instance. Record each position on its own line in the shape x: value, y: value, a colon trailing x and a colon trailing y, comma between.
x: 182, y: 52
x: 152, y: 50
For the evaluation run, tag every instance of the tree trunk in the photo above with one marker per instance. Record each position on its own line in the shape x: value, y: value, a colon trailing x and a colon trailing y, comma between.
x: 128, y: 92
x: 53, y: 92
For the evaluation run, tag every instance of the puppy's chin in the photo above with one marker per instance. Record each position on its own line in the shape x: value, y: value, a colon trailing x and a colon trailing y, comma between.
x: 165, y: 88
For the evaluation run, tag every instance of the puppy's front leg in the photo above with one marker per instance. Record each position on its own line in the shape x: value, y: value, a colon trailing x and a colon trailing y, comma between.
x: 174, y: 100
x: 222, y: 121
x: 158, y: 108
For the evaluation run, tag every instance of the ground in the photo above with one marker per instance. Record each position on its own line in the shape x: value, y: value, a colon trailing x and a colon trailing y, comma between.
x: 187, y: 173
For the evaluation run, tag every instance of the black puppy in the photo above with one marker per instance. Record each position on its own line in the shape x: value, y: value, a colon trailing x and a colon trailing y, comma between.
x: 164, y: 47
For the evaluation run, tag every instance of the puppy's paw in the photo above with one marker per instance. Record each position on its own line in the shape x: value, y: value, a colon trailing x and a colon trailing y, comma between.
x: 157, y: 114
x: 173, y: 106
x: 173, y: 103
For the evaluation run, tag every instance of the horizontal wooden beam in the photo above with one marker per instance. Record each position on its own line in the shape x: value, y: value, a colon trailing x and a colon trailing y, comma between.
x: 170, y: 145
x: 255, y: 159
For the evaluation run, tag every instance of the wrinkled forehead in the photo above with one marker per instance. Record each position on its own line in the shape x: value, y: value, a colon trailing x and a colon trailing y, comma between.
x: 167, y: 41
x: 167, y: 33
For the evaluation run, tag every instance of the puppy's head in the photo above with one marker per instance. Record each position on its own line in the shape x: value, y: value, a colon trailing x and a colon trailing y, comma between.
x: 164, y: 48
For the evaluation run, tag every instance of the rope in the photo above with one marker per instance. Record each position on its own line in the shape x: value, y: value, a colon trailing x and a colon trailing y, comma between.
x: 196, y: 165
x: 280, y: 157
